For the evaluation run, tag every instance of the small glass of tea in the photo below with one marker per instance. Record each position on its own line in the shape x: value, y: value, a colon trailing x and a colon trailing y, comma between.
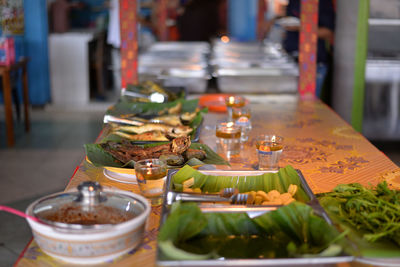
x: 151, y: 175
x: 269, y: 149
x: 234, y: 102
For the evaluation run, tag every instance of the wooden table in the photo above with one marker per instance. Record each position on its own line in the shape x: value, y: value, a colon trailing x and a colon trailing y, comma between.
x: 317, y: 141
x: 5, y: 73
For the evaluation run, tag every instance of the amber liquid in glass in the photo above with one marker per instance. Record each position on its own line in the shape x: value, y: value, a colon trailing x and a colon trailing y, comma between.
x: 268, y: 146
x: 225, y: 132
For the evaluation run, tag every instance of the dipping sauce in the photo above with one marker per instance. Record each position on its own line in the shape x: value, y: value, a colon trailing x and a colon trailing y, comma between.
x: 97, y: 215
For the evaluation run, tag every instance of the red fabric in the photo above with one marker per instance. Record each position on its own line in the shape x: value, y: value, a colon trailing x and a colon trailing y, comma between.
x: 129, y: 42
x: 308, y: 48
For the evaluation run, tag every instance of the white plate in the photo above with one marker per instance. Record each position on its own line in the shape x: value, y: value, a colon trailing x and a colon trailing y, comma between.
x: 120, y: 177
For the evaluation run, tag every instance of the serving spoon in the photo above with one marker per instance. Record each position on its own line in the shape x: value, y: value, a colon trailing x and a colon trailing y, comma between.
x: 19, y: 213
x: 238, y: 199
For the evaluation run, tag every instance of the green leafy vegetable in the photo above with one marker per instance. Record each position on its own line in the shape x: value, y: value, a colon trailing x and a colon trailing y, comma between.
x: 372, y: 215
x: 375, y: 211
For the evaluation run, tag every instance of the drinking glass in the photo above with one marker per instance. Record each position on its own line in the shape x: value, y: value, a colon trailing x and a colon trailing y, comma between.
x: 269, y: 149
x: 151, y: 175
x: 234, y: 101
x: 228, y: 138
x: 241, y: 116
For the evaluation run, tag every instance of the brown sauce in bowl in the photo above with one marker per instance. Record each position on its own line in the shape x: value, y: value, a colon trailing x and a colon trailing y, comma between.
x: 96, y: 215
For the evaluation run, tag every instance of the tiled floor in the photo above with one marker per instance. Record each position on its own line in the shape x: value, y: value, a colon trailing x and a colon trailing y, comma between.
x: 43, y: 160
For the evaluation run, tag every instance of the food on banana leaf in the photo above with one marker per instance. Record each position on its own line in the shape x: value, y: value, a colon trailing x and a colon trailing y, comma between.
x: 260, y: 197
x: 168, y: 130
x: 195, y: 153
x: 117, y: 152
x: 187, y: 117
x: 152, y: 135
x: 283, y: 181
x: 170, y: 119
x: 149, y: 87
x: 292, y: 231
x: 126, y: 152
x: 172, y: 110
x: 172, y: 159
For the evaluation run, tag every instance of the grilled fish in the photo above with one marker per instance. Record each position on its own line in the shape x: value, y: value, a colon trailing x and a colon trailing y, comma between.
x: 170, y: 131
x: 147, y: 136
x: 125, y: 151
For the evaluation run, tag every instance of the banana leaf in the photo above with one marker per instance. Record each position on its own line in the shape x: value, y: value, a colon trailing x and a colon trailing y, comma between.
x: 101, y: 158
x: 149, y: 87
x: 266, y: 182
x: 189, y: 234
x: 150, y: 109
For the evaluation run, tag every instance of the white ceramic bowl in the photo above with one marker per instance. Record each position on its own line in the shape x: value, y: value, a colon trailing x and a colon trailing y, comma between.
x: 90, y: 246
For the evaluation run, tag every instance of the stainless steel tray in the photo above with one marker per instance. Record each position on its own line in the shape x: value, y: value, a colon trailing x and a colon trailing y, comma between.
x: 272, y: 84
x: 250, y: 210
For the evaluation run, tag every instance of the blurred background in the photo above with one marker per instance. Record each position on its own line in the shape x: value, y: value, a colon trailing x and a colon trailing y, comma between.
x: 236, y: 46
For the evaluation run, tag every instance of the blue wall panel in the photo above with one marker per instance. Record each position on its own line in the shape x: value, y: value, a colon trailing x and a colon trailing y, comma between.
x: 242, y: 19
x: 36, y: 49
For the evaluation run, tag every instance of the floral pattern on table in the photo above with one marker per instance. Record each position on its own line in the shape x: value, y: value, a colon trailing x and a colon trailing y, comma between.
x: 341, y: 166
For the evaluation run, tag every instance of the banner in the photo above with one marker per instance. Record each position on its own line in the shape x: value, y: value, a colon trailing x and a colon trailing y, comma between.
x: 12, y: 17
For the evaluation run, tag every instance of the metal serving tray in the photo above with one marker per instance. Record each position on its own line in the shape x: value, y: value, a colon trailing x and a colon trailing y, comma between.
x: 171, y: 173
x: 257, y: 80
x: 249, y: 210
x: 202, y: 47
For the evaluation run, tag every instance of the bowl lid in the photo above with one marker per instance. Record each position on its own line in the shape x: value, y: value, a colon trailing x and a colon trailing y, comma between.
x: 90, y: 207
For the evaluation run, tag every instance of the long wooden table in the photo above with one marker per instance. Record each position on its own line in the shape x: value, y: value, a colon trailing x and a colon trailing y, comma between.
x: 324, y: 147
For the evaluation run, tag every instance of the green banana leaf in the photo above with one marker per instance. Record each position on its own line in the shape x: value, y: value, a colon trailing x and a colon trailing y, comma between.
x: 146, y: 88
x: 189, y: 234
x: 279, y: 181
x: 101, y: 158
x: 150, y: 109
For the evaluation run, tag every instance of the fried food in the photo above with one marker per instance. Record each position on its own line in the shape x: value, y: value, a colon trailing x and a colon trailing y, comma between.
x: 126, y: 151
x: 153, y: 136
x: 168, y: 130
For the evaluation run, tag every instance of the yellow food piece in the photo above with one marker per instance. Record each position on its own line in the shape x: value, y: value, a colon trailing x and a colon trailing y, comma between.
x: 258, y: 200
x: 263, y: 195
x: 287, y: 202
x: 250, y: 199
x: 277, y: 202
x: 188, y: 182
x: 284, y: 197
x: 253, y: 194
x: 273, y: 194
x: 292, y: 189
x: 197, y: 190
x: 187, y: 190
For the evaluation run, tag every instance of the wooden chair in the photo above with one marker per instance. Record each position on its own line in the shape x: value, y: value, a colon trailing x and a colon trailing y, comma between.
x: 5, y: 73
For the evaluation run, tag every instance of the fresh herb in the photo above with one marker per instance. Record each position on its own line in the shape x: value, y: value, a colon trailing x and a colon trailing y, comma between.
x: 375, y: 212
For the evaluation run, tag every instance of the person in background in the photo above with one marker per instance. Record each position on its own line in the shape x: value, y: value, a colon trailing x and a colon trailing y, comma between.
x: 290, y: 38
x: 326, y: 27
x: 199, y: 20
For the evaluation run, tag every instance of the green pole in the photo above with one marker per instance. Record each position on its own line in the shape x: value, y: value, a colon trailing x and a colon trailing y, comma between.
x: 359, y: 64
